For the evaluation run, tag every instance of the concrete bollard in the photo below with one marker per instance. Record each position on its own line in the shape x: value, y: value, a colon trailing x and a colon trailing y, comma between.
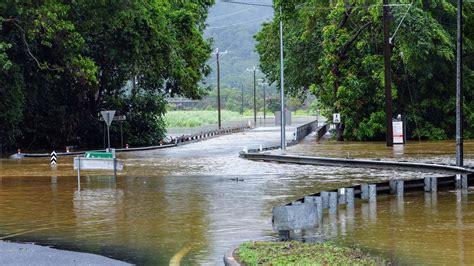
x: 372, y: 193
x: 364, y: 191
x: 350, y: 197
x: 325, y: 199
x: 341, y: 196
x: 332, y: 202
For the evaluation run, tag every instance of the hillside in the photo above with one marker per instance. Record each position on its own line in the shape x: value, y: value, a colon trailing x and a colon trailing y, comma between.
x: 232, y: 27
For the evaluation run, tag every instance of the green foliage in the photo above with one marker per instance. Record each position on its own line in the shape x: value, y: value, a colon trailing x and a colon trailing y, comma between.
x: 337, y: 54
x: 66, y: 61
x: 296, y: 253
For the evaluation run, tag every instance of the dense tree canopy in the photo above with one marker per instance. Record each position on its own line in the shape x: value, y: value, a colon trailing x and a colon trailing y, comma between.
x: 61, y: 62
x: 336, y: 52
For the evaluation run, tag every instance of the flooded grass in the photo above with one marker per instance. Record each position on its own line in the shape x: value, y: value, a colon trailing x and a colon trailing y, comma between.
x: 296, y: 253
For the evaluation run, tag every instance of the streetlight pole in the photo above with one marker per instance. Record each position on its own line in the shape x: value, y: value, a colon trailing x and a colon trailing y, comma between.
x: 282, y: 87
x: 459, y: 96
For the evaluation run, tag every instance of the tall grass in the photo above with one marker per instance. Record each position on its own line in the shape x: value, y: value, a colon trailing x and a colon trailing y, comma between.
x: 197, y: 118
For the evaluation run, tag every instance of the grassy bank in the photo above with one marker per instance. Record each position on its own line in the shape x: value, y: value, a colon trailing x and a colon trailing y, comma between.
x: 296, y: 253
x: 198, y: 118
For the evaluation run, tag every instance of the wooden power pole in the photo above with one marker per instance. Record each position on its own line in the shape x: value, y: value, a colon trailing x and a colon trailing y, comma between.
x: 387, y: 51
x: 459, y: 96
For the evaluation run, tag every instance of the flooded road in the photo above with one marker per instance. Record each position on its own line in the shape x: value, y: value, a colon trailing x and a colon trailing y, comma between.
x: 179, y: 204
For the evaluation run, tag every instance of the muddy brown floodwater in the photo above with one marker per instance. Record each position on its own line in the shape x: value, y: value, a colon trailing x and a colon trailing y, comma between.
x: 183, y: 204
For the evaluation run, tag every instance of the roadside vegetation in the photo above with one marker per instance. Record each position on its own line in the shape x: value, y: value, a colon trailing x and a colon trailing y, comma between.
x: 296, y: 253
x: 336, y: 54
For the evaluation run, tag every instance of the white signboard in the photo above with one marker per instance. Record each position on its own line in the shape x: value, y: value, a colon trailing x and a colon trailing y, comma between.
x: 97, y: 164
x: 108, y: 116
x: 398, y: 137
x: 336, y: 118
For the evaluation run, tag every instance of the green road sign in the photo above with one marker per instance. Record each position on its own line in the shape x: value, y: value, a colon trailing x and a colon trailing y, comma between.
x: 95, y: 154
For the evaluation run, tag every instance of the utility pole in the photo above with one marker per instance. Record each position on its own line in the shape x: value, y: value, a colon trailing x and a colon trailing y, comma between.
x: 242, y: 98
x: 264, y: 84
x: 387, y: 51
x: 217, y: 53
x: 254, y: 70
x: 459, y: 92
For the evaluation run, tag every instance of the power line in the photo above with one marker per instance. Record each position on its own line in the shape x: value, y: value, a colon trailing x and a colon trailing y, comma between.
x: 227, y: 15
x: 240, y: 23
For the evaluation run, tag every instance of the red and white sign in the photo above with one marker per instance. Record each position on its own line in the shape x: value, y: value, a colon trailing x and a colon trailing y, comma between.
x: 398, y: 137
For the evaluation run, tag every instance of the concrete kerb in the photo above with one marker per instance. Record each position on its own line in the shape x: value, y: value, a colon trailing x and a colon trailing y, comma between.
x: 230, y: 259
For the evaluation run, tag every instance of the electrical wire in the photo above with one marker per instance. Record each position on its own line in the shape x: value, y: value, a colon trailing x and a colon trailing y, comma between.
x: 237, y: 24
x: 227, y: 15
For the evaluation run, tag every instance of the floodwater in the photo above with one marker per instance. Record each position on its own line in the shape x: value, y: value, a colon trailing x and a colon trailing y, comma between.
x: 421, y: 228
x: 184, y: 204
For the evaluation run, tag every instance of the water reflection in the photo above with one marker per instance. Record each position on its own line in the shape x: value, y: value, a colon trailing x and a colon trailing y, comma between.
x: 426, y: 228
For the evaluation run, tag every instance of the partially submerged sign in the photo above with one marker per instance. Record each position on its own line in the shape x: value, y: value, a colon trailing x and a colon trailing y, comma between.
x: 295, y: 217
x: 112, y: 164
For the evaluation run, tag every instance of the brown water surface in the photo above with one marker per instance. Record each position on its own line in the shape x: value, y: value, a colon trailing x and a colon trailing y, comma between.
x: 183, y: 203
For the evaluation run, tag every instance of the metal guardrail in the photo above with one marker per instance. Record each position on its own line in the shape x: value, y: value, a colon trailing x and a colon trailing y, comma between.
x: 342, y: 162
x: 181, y: 140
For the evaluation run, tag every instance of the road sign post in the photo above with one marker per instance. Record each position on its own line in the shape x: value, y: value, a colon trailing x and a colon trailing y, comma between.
x: 108, y: 118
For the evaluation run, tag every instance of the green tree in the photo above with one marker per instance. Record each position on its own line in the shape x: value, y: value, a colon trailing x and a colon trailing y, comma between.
x: 69, y: 60
x: 336, y: 52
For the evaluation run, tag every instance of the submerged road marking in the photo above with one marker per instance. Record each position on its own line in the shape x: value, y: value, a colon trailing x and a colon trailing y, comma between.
x: 176, y: 259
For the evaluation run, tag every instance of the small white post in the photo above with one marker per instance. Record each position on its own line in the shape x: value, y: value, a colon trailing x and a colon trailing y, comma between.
x: 78, y: 173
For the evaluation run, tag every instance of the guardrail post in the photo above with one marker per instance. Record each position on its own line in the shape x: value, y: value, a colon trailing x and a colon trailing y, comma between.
x: 396, y: 187
x: 461, y: 181
x: 350, y: 197
x: 434, y: 184
x: 364, y: 191
x: 372, y: 193
x: 325, y: 199
x: 427, y: 186
x: 332, y: 202
x: 284, y: 235
x: 342, y: 196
